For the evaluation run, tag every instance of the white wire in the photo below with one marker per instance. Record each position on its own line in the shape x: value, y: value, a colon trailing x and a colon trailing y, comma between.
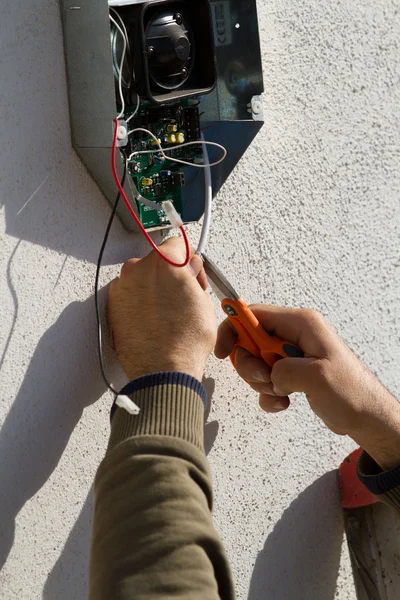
x: 205, y: 229
x: 177, y: 160
x: 136, y: 109
x: 120, y: 19
x: 121, y: 95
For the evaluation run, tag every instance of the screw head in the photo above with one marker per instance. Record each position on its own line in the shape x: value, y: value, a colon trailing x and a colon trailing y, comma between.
x: 150, y: 50
x: 230, y: 310
x: 178, y: 18
x: 184, y: 73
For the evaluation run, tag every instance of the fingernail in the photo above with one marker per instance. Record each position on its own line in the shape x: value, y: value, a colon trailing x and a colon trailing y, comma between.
x: 279, y: 405
x: 278, y: 392
x: 261, y: 376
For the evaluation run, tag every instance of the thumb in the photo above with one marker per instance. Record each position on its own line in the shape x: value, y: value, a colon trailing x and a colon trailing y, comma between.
x: 291, y: 375
x: 195, y: 267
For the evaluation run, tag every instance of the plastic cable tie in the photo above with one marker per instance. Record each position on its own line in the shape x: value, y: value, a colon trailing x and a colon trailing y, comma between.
x: 149, y: 203
x: 172, y: 214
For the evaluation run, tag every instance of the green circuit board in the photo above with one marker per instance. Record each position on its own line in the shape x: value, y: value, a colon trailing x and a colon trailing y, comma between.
x: 156, y: 179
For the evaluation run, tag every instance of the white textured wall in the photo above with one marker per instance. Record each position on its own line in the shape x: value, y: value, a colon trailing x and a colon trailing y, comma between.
x: 310, y: 217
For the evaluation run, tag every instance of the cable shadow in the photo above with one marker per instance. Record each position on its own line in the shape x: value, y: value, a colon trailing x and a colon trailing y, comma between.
x: 69, y: 578
x: 15, y: 302
x: 59, y: 383
x: 300, y: 559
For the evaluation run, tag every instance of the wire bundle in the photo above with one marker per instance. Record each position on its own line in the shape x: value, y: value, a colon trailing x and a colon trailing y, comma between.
x: 120, y: 27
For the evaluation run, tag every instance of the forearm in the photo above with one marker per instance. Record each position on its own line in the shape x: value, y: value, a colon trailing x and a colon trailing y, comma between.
x: 153, y: 535
x: 378, y: 426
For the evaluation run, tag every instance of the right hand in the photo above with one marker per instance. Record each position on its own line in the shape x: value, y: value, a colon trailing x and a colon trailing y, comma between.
x: 339, y: 388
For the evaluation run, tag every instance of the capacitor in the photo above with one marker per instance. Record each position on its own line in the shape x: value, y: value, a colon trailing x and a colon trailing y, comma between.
x: 146, y: 181
x: 155, y: 143
x: 171, y: 138
x: 180, y: 138
x: 159, y: 159
x: 165, y: 173
x: 172, y: 128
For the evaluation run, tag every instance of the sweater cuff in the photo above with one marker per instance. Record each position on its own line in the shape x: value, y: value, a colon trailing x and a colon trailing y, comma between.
x: 376, y: 480
x: 171, y: 404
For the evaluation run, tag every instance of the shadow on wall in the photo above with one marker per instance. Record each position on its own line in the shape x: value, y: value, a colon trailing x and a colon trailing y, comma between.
x: 60, y: 382
x: 300, y: 559
x: 69, y: 577
x: 210, y: 429
x: 48, y: 196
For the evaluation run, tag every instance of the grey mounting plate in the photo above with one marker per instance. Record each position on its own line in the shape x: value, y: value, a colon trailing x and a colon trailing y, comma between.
x: 233, y: 111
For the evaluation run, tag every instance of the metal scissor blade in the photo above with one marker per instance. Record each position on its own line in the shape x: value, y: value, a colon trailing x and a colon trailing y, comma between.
x: 219, y: 284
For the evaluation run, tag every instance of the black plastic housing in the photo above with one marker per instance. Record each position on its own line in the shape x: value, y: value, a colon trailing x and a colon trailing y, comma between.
x: 202, y: 75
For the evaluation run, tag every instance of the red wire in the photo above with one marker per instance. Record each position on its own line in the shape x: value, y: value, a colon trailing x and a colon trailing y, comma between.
x: 134, y: 215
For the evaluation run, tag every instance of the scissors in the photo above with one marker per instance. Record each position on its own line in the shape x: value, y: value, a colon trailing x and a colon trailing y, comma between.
x: 251, y: 334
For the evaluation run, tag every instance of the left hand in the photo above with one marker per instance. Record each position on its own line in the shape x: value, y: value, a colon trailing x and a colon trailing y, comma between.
x: 160, y: 316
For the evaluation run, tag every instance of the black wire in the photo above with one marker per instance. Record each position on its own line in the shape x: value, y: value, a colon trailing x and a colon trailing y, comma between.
x: 96, y: 286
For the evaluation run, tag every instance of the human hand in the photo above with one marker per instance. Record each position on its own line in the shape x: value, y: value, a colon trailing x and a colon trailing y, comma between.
x: 160, y: 316
x: 340, y: 389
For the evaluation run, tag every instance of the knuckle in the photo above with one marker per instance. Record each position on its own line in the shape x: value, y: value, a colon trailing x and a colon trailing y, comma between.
x: 127, y: 267
x: 311, y: 316
x: 322, y: 370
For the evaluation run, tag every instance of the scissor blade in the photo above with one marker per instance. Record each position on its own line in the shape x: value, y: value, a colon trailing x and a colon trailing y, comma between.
x: 219, y: 284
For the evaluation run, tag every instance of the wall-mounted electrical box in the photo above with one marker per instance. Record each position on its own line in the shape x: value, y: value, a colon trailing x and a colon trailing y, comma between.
x: 175, y: 69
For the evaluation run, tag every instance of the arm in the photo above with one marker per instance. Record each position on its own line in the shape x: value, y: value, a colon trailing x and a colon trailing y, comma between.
x: 339, y: 388
x: 153, y: 535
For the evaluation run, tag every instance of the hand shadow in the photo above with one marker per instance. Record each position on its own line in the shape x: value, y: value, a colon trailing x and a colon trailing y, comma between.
x: 300, y: 559
x: 69, y: 578
x: 210, y: 429
x: 59, y: 383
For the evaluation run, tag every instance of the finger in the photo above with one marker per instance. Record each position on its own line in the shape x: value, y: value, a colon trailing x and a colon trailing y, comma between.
x: 273, y: 404
x: 251, y: 369
x: 202, y: 279
x: 295, y: 375
x: 174, y: 249
x: 196, y: 268
x: 226, y: 339
x: 305, y: 328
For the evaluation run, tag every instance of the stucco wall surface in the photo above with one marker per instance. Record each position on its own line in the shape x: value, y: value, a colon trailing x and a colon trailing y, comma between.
x: 310, y: 217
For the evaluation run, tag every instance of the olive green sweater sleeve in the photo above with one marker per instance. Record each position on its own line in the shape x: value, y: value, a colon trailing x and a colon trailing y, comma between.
x: 153, y: 534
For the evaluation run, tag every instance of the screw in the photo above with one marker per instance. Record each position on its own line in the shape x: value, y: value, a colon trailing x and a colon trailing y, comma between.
x: 256, y: 106
x: 150, y: 50
x: 230, y: 310
x: 184, y: 73
x: 178, y: 19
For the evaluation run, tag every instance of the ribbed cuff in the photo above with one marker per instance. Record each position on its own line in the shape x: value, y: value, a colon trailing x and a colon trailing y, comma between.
x: 171, y: 404
x: 378, y: 482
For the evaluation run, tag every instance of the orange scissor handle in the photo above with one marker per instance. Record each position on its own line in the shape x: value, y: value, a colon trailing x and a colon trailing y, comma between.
x: 253, y: 337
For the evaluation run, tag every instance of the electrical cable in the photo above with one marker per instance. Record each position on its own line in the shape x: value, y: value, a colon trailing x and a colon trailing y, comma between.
x: 120, y: 19
x: 176, y: 147
x: 136, y: 109
x: 205, y: 230
x: 121, y: 95
x: 136, y: 218
x: 96, y: 287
